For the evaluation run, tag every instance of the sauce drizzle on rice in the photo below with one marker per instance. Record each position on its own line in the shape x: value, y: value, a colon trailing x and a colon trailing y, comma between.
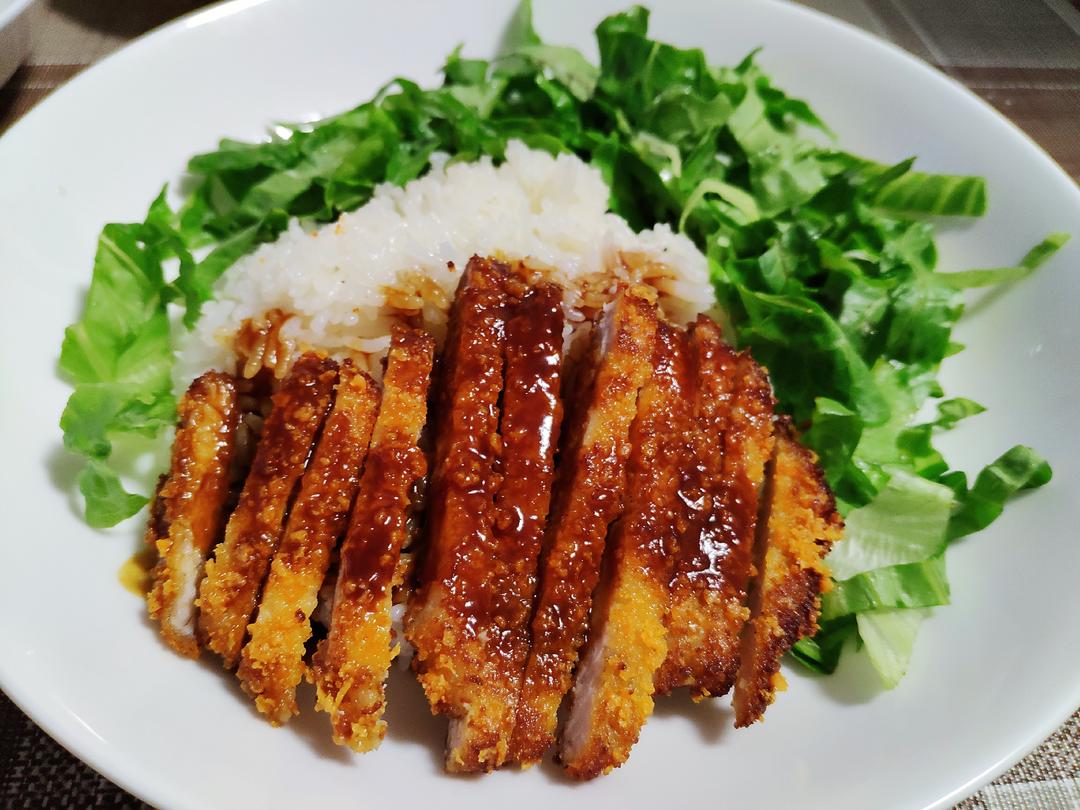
x: 398, y: 259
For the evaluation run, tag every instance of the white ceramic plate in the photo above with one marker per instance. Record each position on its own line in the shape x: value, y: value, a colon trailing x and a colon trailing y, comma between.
x: 992, y: 674
x: 14, y: 35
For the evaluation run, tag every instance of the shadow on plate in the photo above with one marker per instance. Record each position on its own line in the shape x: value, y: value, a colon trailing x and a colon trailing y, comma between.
x: 408, y: 718
x: 711, y: 719
x: 855, y: 682
x: 63, y: 467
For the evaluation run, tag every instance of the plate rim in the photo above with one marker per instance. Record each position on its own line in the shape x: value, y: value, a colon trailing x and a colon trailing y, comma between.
x: 51, y: 721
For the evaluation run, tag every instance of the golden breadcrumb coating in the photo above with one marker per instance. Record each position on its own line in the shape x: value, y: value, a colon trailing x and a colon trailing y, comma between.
x: 235, y: 575
x: 188, y: 512
x: 588, y: 498
x: 350, y: 666
x: 733, y: 407
x: 801, y: 525
x: 271, y: 664
x: 448, y: 611
x: 529, y: 427
x: 612, y: 696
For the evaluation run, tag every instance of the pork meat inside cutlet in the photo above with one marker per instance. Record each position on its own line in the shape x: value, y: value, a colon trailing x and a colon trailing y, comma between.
x: 448, y: 616
x: 351, y: 664
x: 271, y: 664
x: 800, y: 524
x: 733, y: 438
x: 588, y: 498
x: 612, y: 695
x: 235, y: 575
x: 188, y: 512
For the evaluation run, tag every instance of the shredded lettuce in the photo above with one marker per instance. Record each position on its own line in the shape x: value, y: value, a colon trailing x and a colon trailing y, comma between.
x: 889, y: 638
x: 1017, y: 469
x: 824, y: 262
x: 905, y: 523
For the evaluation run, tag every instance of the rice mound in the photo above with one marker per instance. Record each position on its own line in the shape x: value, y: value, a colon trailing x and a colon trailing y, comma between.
x: 342, y: 285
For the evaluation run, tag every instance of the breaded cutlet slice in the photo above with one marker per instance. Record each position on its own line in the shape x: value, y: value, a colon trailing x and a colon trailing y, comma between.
x: 235, y: 575
x: 588, y: 497
x: 613, y: 691
x: 271, y: 664
x: 800, y: 525
x: 450, y: 600
x: 350, y: 665
x: 733, y: 408
x: 188, y: 512
x: 529, y: 429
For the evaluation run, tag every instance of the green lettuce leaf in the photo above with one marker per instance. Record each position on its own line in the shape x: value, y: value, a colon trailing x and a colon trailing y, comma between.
x: 889, y: 639
x: 907, y: 585
x: 119, y: 357
x: 1035, y: 258
x: 821, y: 652
x: 938, y: 194
x: 905, y: 523
x: 107, y: 502
x: 1018, y: 469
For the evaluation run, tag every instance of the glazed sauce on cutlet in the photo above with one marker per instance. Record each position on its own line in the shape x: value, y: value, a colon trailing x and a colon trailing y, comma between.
x: 589, y: 497
x: 722, y: 552
x: 530, y: 427
x: 712, y: 530
x: 392, y: 475
x: 461, y: 500
x: 369, y: 565
x: 282, y: 455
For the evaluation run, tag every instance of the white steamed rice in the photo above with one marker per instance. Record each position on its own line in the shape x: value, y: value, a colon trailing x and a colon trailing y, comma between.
x: 334, y: 282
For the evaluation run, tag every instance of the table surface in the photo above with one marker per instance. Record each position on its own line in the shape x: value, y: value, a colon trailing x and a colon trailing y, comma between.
x: 1023, y: 56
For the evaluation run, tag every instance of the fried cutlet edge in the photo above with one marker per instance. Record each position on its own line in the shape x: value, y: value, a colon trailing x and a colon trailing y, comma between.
x: 271, y: 662
x: 350, y: 666
x: 799, y: 525
x: 187, y: 515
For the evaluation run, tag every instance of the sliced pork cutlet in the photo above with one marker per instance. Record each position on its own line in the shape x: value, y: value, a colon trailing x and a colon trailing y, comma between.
x: 350, y: 666
x: 235, y: 575
x: 271, y: 664
x: 799, y: 525
x: 530, y: 422
x: 188, y: 512
x: 612, y: 695
x: 447, y: 615
x: 733, y: 409
x: 588, y: 498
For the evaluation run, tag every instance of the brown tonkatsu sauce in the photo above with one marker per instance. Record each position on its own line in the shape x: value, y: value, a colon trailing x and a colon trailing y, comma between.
x: 350, y: 666
x: 612, y: 696
x: 588, y: 497
x: 733, y: 409
x: 450, y: 621
x: 531, y: 420
x: 271, y: 662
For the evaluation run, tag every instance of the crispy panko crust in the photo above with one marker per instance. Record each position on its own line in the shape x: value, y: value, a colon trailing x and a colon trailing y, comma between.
x: 235, y: 575
x: 588, y: 498
x: 800, y: 525
x: 612, y: 697
x: 733, y: 407
x: 271, y: 664
x: 448, y: 610
x: 350, y: 666
x: 188, y: 512
x: 529, y: 428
